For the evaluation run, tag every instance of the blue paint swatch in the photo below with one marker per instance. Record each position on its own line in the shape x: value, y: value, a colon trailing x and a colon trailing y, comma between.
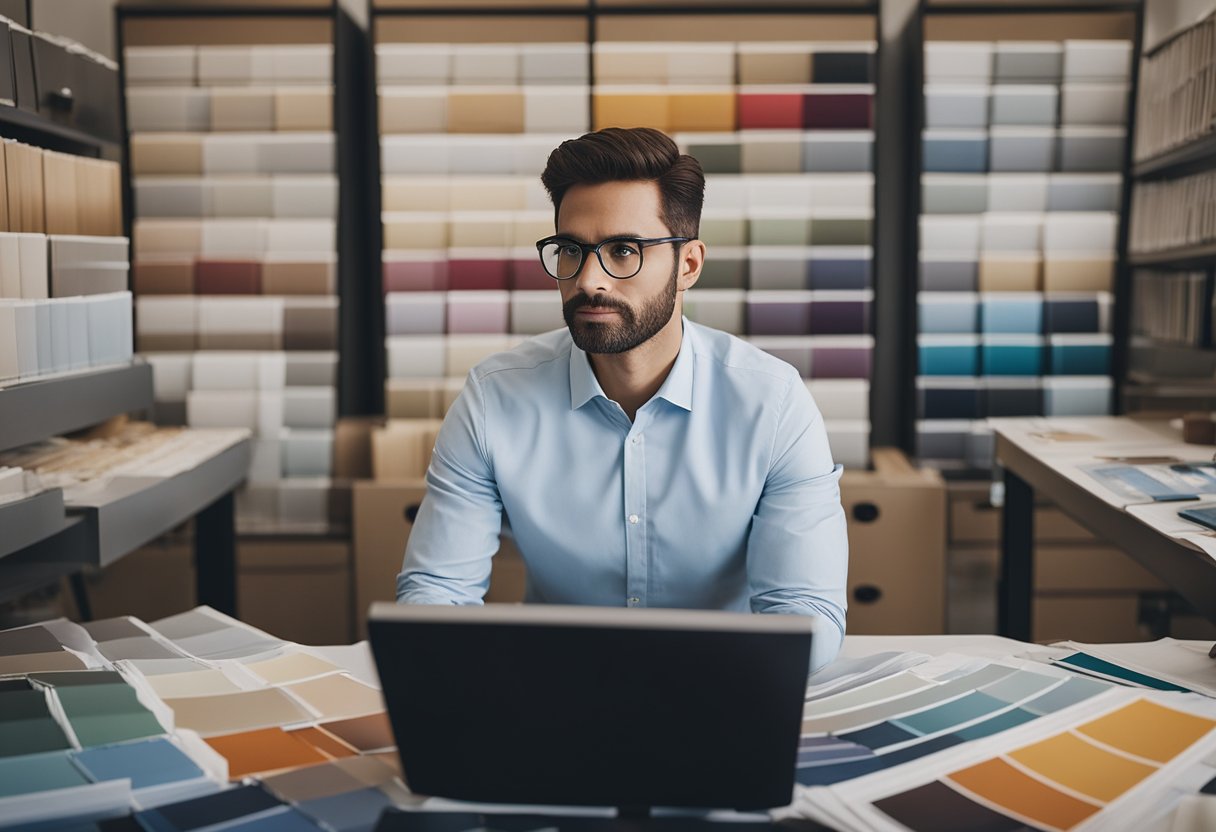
x: 881, y: 735
x: 287, y: 820
x: 998, y: 723
x: 947, y: 716
x: 147, y: 763
x: 209, y: 810
x: 1084, y: 661
x: 350, y: 812
x: 1066, y: 695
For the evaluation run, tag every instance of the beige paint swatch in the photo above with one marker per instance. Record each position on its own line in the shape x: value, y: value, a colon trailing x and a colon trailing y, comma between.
x: 196, y: 683
x: 232, y: 712
x: 291, y: 668
x: 38, y: 662
x: 338, y: 696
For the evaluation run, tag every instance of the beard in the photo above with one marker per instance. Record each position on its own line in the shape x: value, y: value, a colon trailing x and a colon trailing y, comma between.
x: 631, y: 328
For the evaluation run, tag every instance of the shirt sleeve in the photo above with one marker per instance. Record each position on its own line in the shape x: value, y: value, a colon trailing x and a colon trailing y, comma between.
x: 455, y: 535
x: 798, y: 547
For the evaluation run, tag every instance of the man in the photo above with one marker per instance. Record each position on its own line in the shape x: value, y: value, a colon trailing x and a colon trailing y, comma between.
x: 641, y: 459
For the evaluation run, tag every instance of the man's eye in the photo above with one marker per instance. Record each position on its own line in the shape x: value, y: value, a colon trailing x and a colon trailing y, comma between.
x: 623, y: 250
x: 571, y: 251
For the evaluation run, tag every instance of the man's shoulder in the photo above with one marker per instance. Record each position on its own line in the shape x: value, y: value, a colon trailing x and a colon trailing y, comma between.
x: 735, y: 358
x: 533, y: 355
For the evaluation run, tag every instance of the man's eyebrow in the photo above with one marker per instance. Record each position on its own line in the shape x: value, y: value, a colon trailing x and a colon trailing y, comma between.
x: 633, y: 235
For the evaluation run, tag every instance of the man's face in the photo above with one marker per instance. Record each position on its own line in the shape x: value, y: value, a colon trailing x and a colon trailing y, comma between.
x: 606, y: 315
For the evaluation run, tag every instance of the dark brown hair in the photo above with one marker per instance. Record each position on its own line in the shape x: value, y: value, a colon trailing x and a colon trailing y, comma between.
x: 617, y: 154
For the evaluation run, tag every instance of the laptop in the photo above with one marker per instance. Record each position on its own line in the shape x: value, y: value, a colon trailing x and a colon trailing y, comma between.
x: 591, y: 706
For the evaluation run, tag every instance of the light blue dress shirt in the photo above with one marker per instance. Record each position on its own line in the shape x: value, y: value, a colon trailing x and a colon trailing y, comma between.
x: 721, y: 494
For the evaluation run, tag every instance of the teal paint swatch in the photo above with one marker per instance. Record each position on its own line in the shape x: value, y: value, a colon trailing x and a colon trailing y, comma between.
x: 1066, y: 695
x: 956, y: 712
x: 995, y: 725
x: 26, y: 724
x: 1084, y: 661
x: 104, y: 714
x: 38, y: 773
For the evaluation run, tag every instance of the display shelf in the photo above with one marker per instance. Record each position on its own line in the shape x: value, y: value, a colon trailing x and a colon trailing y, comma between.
x: 30, y: 520
x: 131, y: 511
x: 35, y: 410
x: 40, y: 131
x: 45, y: 562
x: 1185, y: 257
x: 1193, y: 156
x: 1031, y: 6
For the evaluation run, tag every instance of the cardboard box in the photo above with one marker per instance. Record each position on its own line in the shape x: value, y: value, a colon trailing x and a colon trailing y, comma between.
x: 1088, y: 618
x: 383, y: 515
x: 297, y: 588
x: 1091, y: 568
x: 402, y: 448
x: 897, y: 547
x: 974, y: 520
x: 353, y: 447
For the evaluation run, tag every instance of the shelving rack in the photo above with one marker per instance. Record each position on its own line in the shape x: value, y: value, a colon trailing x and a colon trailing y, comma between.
x: 604, y: 20
x: 1019, y: 21
x: 1162, y: 375
x: 359, y: 358
x: 47, y: 537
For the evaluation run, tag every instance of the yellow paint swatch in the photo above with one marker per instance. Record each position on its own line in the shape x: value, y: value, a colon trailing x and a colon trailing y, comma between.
x: 1004, y: 785
x: 1148, y: 730
x: 1074, y: 763
x: 631, y: 109
x: 712, y: 112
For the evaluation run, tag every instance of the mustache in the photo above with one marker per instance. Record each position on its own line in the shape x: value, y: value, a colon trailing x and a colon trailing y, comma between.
x: 581, y: 301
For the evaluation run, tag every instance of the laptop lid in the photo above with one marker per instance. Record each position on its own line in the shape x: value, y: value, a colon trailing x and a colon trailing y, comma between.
x: 594, y: 706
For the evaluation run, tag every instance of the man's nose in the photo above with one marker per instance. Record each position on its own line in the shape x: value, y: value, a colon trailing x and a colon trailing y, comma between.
x: 592, y: 278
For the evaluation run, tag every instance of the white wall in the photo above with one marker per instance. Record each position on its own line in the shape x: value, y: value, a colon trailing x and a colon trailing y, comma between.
x: 1164, y: 17
x: 90, y: 22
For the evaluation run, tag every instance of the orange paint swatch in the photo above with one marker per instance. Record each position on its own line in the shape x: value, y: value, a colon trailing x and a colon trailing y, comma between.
x: 631, y: 109
x: 1148, y: 730
x: 1006, y: 786
x: 325, y: 742
x: 271, y: 749
x: 1074, y: 763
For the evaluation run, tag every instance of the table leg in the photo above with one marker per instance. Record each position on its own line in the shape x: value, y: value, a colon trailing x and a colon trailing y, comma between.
x: 215, y: 554
x: 1015, y: 592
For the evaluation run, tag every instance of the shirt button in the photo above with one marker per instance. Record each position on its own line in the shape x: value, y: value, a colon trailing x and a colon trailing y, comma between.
x: 633, y: 602
x: 635, y: 440
x: 633, y: 518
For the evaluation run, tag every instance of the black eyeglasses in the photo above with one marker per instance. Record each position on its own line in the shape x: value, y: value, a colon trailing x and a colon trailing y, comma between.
x: 620, y: 257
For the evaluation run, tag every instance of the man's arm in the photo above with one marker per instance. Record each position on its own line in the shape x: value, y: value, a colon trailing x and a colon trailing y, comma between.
x: 798, y: 549
x: 447, y: 559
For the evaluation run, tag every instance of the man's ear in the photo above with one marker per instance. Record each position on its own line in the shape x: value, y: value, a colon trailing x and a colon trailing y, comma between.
x: 692, y: 260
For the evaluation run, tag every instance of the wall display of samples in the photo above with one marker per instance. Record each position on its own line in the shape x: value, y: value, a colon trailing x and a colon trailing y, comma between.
x: 235, y: 266
x: 466, y: 129
x: 783, y: 129
x: 64, y: 304
x: 1021, y: 184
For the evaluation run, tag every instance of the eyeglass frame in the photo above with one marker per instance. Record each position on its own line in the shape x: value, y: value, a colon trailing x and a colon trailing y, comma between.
x: 642, y: 243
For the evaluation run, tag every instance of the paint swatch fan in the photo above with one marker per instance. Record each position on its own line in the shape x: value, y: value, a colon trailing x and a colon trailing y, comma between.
x: 587, y: 706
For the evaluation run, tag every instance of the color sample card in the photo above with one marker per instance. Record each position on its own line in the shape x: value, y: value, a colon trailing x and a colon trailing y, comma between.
x: 318, y: 782
x: 26, y: 724
x: 78, y: 678
x: 1092, y: 665
x: 28, y: 640
x: 1057, y: 782
x: 292, y: 667
x: 195, y: 683
x: 286, y: 820
x: 366, y: 733
x: 233, y: 712
x: 268, y: 749
x: 325, y: 742
x: 36, y: 662
x: 104, y: 714
x: 353, y: 811
x: 905, y: 717
x: 139, y: 647
x: 38, y: 773
x: 338, y: 696
x: 114, y: 628
x: 210, y: 810
x: 146, y: 763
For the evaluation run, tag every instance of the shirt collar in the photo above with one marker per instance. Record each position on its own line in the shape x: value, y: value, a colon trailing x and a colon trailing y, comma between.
x: 676, y: 388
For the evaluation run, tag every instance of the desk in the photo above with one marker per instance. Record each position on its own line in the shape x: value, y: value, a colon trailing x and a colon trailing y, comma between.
x: 1043, y: 456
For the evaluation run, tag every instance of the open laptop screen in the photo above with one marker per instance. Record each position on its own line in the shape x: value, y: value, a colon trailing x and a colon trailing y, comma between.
x: 594, y: 706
